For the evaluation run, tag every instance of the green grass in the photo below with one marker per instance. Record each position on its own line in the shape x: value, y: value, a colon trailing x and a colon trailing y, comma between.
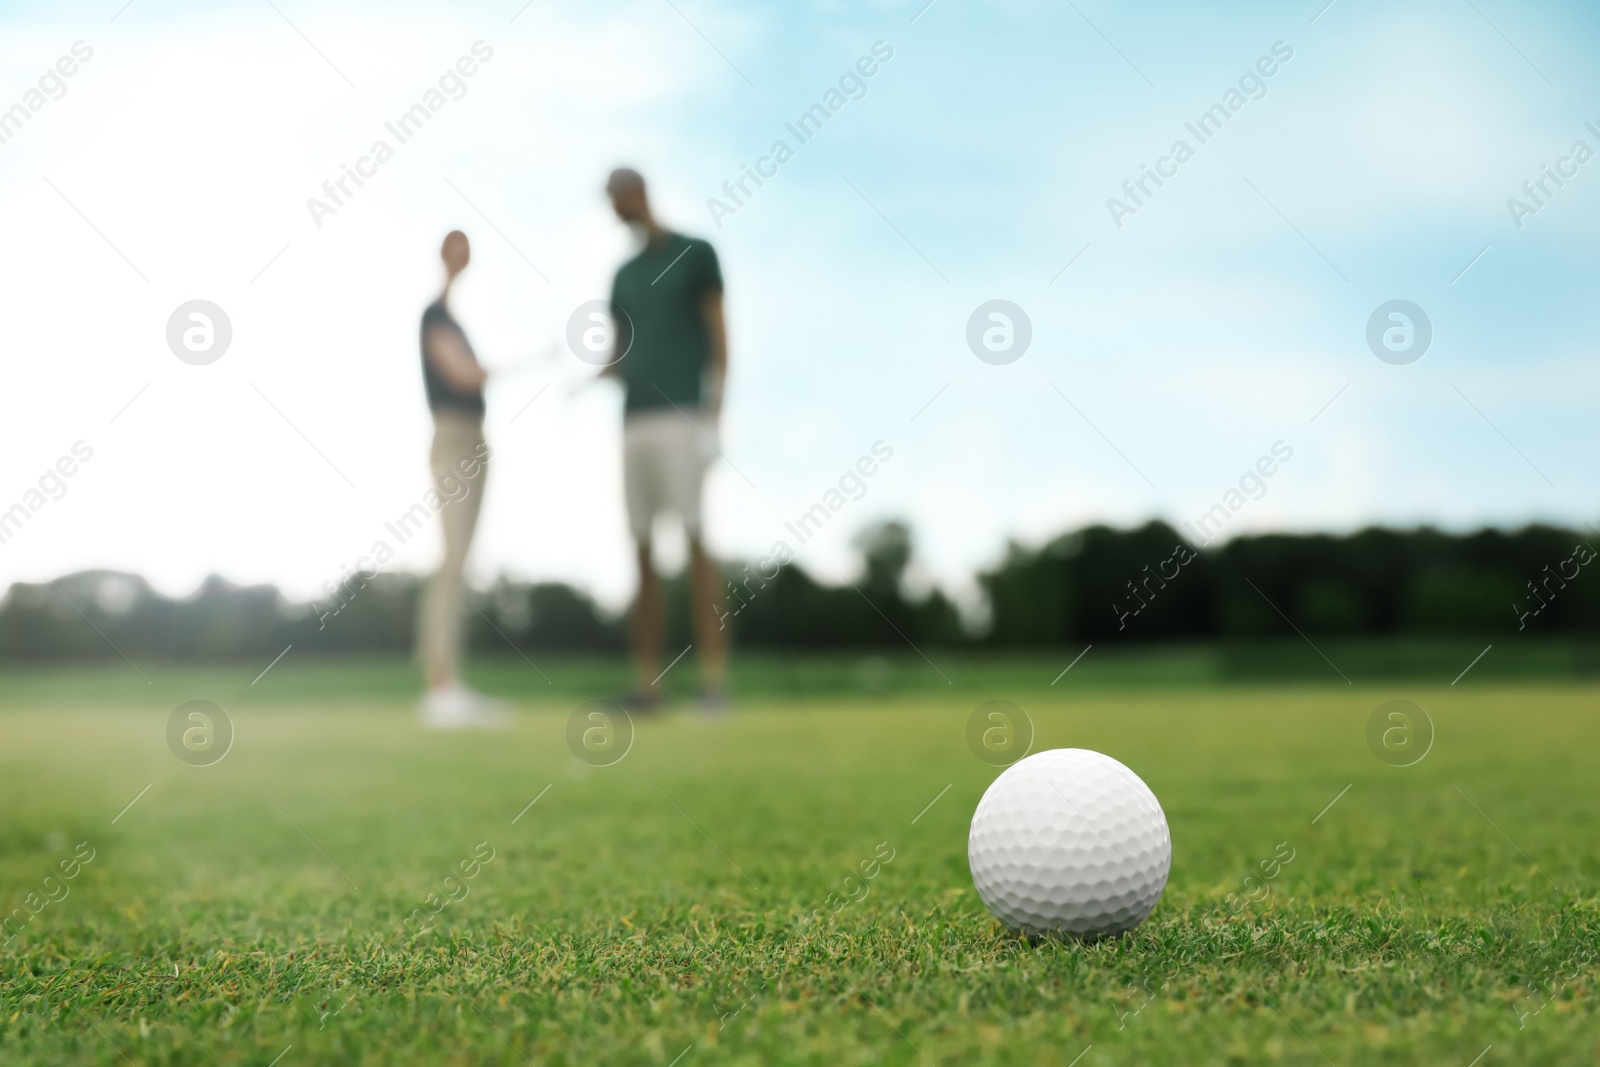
x: 670, y: 902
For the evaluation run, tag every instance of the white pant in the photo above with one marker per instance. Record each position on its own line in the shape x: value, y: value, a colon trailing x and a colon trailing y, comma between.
x: 665, y: 454
x: 457, y: 444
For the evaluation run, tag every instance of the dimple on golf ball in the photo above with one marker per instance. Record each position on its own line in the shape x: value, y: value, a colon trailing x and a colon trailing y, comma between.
x: 1070, y: 842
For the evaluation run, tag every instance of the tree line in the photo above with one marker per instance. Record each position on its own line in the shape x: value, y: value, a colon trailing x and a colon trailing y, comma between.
x: 1097, y: 584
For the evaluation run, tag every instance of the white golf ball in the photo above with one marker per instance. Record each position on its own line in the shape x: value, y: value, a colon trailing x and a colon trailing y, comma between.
x: 1069, y: 841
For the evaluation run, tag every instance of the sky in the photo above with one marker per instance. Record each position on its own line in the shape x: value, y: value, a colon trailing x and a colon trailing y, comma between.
x: 1179, y: 333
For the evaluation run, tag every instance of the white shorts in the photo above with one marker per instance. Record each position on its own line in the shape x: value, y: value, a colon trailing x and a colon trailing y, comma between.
x: 665, y: 455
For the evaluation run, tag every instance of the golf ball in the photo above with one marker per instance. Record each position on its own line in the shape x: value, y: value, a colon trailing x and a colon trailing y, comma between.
x: 1069, y: 841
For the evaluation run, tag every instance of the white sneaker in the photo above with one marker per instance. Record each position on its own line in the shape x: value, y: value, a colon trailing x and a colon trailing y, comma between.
x: 456, y: 707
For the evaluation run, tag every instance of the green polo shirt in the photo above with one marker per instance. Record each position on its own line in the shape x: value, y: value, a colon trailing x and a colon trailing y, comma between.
x: 657, y: 294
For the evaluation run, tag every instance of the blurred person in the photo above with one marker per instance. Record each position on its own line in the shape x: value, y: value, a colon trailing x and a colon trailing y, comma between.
x: 459, y: 462
x: 671, y: 356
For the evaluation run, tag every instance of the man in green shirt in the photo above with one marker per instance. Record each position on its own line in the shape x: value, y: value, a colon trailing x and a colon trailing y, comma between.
x: 671, y: 355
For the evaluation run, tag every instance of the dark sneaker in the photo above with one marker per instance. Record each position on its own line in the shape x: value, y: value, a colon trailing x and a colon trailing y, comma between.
x: 714, y: 704
x: 640, y: 703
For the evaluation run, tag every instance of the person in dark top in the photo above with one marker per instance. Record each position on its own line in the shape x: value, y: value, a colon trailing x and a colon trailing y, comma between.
x: 453, y: 380
x: 671, y: 357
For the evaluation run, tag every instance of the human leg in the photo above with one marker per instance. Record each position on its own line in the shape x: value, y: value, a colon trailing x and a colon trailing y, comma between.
x: 458, y: 448
x: 706, y: 592
x: 647, y: 624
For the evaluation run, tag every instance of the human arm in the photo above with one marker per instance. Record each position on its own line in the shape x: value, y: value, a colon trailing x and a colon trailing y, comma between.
x: 717, y: 350
x: 448, y: 353
x: 621, y: 341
